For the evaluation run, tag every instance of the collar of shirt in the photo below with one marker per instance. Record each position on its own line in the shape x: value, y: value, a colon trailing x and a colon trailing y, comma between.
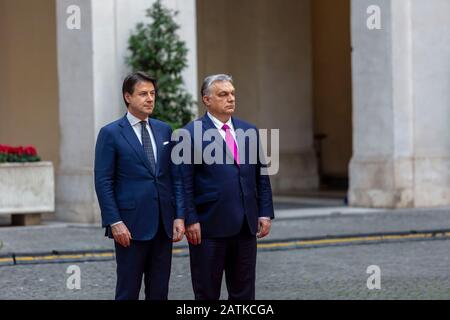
x: 219, y: 124
x: 136, y: 126
x: 133, y: 120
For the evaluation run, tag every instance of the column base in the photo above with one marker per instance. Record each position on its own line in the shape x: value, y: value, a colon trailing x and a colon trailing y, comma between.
x: 399, y: 183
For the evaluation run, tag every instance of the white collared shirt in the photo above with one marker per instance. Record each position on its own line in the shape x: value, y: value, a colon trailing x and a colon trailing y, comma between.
x: 136, y: 125
x: 219, y: 124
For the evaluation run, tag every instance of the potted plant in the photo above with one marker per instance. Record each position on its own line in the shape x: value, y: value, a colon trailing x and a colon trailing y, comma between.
x: 27, y: 186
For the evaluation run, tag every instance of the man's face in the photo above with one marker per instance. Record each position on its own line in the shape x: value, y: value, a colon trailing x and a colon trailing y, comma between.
x: 221, y: 100
x: 142, y: 101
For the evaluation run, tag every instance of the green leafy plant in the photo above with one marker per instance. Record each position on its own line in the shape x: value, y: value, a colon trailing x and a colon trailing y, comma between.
x: 157, y: 50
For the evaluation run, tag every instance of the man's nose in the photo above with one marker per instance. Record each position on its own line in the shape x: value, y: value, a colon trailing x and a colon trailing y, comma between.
x: 149, y: 97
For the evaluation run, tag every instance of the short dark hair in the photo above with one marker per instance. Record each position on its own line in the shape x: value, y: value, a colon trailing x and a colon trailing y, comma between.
x: 130, y: 81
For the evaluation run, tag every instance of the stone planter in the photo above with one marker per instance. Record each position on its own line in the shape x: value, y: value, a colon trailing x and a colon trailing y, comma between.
x: 26, y: 191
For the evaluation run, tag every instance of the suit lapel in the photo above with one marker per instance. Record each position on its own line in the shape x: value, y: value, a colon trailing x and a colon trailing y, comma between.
x: 129, y: 135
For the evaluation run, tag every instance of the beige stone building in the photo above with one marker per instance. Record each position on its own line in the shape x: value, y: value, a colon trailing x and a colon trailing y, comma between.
x: 359, y: 108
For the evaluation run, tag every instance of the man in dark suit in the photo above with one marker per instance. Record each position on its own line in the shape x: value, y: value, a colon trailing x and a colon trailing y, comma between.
x: 140, y: 192
x: 228, y: 203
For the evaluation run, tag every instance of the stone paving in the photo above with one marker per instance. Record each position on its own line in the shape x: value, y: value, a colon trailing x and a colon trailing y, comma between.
x: 409, y: 270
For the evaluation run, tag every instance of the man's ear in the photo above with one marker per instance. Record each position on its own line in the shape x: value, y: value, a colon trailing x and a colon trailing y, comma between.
x: 127, y: 97
x: 205, y: 100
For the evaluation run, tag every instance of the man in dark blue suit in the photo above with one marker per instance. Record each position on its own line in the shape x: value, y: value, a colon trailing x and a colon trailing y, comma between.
x: 140, y: 192
x: 228, y: 203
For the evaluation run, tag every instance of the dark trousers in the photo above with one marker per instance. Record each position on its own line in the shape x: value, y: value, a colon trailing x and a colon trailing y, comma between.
x: 235, y: 255
x: 151, y: 259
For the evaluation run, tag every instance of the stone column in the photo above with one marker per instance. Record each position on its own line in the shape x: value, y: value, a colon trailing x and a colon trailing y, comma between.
x: 401, y: 142
x: 91, y: 67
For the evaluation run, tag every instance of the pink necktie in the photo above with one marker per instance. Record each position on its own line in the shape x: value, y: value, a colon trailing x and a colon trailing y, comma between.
x: 231, y: 144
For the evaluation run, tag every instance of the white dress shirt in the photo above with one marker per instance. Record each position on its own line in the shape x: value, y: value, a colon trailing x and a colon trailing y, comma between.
x: 219, y: 124
x: 136, y: 125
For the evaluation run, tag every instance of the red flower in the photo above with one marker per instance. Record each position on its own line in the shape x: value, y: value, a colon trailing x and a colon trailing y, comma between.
x: 20, y: 151
x: 4, y: 148
x: 30, y: 151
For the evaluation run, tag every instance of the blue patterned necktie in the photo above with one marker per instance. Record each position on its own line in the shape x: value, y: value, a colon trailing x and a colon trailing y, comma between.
x: 147, y: 143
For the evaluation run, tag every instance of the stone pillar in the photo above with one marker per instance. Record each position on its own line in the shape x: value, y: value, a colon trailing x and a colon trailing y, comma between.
x: 91, y: 68
x: 401, y: 142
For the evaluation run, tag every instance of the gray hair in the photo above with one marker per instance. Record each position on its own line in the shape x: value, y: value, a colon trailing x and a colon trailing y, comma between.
x: 209, y: 80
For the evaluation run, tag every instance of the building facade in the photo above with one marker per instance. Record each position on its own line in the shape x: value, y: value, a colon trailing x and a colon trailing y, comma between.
x: 359, y: 89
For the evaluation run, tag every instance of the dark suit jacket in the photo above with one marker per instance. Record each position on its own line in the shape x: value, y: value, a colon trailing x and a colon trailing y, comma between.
x: 126, y: 187
x: 220, y: 195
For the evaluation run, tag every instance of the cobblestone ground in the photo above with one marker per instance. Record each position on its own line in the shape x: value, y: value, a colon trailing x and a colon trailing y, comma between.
x: 409, y: 270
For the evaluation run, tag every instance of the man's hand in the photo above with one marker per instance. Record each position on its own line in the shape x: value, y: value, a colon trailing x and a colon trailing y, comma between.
x: 263, y: 227
x: 121, y: 234
x: 193, y: 233
x: 178, y: 230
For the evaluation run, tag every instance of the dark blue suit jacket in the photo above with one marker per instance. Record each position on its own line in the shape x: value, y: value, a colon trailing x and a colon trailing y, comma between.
x: 220, y: 195
x: 126, y: 187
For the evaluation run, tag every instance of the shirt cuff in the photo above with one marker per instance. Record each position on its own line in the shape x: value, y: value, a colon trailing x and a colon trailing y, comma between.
x: 113, y: 224
x: 264, y: 218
